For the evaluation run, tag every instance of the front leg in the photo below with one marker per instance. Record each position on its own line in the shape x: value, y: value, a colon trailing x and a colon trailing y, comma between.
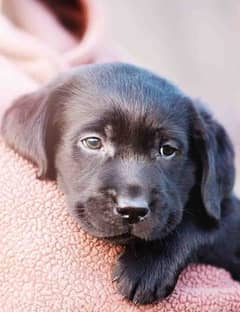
x: 145, y: 274
x: 148, y: 271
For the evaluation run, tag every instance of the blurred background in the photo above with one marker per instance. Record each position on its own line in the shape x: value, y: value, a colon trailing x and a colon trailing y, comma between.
x: 195, y: 44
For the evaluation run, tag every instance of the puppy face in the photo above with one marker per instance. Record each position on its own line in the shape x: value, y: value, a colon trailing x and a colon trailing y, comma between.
x: 126, y: 147
x: 121, y: 158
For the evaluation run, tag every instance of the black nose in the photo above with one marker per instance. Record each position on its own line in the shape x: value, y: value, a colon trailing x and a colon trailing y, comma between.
x: 132, y: 214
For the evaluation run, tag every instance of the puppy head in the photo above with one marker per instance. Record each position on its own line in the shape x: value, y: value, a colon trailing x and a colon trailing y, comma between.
x: 127, y: 148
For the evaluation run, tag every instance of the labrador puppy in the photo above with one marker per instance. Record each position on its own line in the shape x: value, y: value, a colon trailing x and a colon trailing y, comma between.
x: 141, y: 164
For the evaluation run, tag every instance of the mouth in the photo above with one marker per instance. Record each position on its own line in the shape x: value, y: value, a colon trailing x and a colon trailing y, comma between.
x: 120, y: 239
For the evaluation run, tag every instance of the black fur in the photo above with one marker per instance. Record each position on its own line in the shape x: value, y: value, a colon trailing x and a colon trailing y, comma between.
x: 193, y: 214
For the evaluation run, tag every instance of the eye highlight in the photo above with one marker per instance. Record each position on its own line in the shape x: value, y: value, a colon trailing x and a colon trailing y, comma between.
x: 93, y: 143
x: 168, y: 151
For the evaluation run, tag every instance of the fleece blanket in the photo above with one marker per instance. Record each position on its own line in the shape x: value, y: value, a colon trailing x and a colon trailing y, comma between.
x: 47, y: 262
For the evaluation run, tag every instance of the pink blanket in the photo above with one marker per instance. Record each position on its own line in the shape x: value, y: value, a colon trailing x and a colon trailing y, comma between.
x: 47, y: 263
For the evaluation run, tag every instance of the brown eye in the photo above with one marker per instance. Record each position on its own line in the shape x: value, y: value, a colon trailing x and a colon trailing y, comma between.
x: 93, y: 143
x: 167, y: 151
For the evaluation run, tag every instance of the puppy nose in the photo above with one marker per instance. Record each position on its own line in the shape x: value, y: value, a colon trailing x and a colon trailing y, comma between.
x: 132, y: 210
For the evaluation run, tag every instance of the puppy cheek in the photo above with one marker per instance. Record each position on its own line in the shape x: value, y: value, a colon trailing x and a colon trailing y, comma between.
x: 97, y: 217
x: 172, y: 217
x: 185, y: 185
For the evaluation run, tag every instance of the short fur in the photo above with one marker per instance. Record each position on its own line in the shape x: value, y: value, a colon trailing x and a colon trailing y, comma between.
x: 193, y: 213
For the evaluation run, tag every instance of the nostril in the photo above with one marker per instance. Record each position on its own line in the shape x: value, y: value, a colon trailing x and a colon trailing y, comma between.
x: 133, y: 214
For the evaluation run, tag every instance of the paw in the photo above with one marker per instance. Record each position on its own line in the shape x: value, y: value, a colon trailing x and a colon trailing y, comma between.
x: 143, y: 280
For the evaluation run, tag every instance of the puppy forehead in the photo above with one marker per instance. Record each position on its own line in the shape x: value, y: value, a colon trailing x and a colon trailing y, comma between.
x: 121, y: 93
x: 123, y: 83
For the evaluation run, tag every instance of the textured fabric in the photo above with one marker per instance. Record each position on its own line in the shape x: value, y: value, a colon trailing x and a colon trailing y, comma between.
x: 47, y: 263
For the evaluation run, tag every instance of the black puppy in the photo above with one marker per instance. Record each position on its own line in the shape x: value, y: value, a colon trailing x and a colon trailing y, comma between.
x: 140, y: 163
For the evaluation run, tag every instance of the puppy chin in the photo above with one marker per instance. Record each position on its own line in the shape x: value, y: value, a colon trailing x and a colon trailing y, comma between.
x: 149, y: 232
x: 123, y: 239
x: 103, y: 232
x: 124, y: 235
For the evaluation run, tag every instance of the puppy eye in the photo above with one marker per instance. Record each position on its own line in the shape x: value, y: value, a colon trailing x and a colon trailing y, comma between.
x: 93, y: 143
x: 167, y: 151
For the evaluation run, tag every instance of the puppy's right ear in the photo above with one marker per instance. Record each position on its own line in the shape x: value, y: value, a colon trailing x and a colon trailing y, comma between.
x: 215, y: 154
x: 25, y: 126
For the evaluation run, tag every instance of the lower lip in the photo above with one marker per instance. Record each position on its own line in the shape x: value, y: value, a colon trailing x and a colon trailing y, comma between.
x: 120, y: 239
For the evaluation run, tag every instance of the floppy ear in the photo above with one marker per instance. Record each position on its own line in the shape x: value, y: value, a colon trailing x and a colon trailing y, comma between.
x: 214, y: 148
x: 27, y: 127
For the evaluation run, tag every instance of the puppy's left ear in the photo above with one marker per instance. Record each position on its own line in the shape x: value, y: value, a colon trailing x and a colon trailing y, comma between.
x: 28, y: 127
x: 215, y: 152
